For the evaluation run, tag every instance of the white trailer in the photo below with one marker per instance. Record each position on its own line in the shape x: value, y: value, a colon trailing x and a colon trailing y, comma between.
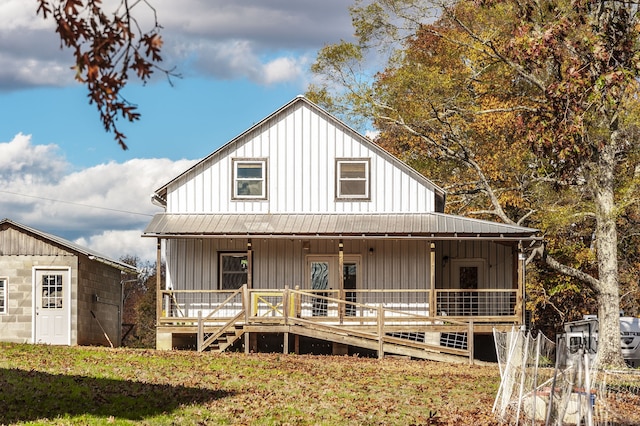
x: 583, y: 334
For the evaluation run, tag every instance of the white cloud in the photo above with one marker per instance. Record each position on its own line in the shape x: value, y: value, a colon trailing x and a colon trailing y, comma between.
x: 26, y: 164
x: 105, y: 207
x: 283, y: 69
x: 255, y: 39
x: 116, y: 244
x: 237, y: 59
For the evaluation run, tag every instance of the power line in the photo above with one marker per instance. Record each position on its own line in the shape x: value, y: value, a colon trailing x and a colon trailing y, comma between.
x: 75, y: 204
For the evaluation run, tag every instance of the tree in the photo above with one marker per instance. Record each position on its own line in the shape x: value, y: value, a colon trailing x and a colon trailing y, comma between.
x: 561, y: 73
x: 139, y: 305
x: 107, y: 47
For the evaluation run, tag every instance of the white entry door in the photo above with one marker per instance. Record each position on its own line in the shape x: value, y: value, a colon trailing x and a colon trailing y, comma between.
x: 324, y: 273
x: 52, y: 312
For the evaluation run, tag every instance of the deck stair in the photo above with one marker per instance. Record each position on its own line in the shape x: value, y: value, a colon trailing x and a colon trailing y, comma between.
x: 221, y: 338
x: 226, y: 339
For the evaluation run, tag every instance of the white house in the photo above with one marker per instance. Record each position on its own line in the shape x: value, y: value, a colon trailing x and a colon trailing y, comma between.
x: 301, y: 226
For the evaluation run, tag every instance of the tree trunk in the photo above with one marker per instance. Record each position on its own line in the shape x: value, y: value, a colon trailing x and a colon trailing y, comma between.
x: 601, y: 180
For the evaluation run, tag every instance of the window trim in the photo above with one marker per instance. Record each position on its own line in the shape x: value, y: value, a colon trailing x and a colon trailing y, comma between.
x: 5, y: 295
x: 221, y: 263
x: 234, y: 178
x: 367, y: 179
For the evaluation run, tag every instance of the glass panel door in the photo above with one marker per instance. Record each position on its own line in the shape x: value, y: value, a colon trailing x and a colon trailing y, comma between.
x: 323, y: 275
x: 320, y: 281
x: 52, y: 313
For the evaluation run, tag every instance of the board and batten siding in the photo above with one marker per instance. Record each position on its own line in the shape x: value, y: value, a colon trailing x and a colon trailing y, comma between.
x: 392, y: 264
x: 300, y: 147
x: 16, y: 243
x: 499, y: 261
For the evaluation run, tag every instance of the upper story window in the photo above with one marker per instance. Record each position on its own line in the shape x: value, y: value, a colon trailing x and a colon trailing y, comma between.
x: 3, y: 295
x: 250, y: 179
x: 353, y: 178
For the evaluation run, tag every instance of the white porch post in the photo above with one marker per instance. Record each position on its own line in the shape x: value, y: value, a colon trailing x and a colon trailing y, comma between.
x: 158, y: 281
x: 249, y: 264
x: 432, y: 280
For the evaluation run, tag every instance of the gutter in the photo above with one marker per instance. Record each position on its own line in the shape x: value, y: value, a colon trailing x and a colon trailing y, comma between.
x: 157, y: 200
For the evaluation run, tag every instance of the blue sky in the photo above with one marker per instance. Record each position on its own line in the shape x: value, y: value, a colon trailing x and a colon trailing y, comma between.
x: 61, y: 173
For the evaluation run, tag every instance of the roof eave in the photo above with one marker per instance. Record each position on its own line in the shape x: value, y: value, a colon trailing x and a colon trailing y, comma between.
x: 420, y: 236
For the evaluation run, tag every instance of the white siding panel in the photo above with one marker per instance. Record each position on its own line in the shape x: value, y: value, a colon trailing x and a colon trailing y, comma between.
x: 276, y: 263
x: 300, y: 146
x: 499, y: 258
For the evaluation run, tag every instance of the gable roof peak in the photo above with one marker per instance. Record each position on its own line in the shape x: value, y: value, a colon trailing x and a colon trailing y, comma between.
x: 91, y: 254
x: 330, y: 118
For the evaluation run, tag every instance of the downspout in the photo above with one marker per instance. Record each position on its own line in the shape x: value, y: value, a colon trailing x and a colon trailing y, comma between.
x: 341, y: 279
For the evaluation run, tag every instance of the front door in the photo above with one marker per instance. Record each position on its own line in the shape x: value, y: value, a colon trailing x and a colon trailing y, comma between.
x: 324, y: 275
x: 52, y: 312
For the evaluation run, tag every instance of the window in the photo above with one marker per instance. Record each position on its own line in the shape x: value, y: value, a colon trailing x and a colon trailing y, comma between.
x: 352, y: 179
x: 233, y: 270
x: 3, y: 295
x: 249, y: 179
x: 52, y: 291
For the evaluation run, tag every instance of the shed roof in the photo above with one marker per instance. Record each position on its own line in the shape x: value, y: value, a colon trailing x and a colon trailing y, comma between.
x: 404, y: 225
x: 70, y: 246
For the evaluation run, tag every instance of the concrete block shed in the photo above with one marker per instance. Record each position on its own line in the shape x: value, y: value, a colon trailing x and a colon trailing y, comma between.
x: 53, y: 291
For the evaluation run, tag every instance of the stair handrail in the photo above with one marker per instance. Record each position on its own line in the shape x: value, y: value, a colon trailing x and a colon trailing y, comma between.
x: 381, y: 314
x: 222, y: 305
x: 203, y: 344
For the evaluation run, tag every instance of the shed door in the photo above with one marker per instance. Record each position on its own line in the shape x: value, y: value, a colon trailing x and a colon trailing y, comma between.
x: 52, y: 311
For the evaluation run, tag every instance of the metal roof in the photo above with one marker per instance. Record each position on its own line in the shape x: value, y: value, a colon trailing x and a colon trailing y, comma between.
x: 379, y: 225
x: 72, y: 246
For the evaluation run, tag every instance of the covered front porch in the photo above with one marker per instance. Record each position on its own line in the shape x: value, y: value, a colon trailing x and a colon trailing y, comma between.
x: 388, y: 276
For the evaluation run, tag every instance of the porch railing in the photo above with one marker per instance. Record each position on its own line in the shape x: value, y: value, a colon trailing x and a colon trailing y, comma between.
x: 183, y: 307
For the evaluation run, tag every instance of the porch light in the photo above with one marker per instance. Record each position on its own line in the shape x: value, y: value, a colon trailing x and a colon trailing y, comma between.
x: 370, y: 251
x: 306, y: 245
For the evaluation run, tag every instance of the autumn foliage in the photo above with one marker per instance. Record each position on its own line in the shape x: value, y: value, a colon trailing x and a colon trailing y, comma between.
x: 107, y: 47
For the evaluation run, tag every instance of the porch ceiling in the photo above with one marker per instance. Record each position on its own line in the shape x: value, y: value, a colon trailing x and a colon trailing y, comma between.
x: 387, y: 225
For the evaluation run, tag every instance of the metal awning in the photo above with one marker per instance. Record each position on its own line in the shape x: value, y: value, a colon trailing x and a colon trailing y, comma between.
x: 332, y: 225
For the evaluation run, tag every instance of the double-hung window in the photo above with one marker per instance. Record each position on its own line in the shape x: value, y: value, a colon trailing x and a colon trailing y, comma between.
x: 353, y: 178
x: 249, y: 179
x: 233, y: 270
x: 3, y: 295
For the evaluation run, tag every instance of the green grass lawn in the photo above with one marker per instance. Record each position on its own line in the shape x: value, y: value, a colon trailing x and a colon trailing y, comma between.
x: 81, y: 385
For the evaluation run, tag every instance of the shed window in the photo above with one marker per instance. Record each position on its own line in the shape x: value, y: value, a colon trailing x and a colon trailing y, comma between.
x: 352, y: 179
x: 3, y: 295
x: 52, y: 295
x: 249, y: 179
x: 233, y: 270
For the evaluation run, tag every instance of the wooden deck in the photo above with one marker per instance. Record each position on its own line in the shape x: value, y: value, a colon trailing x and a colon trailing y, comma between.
x: 388, y: 322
